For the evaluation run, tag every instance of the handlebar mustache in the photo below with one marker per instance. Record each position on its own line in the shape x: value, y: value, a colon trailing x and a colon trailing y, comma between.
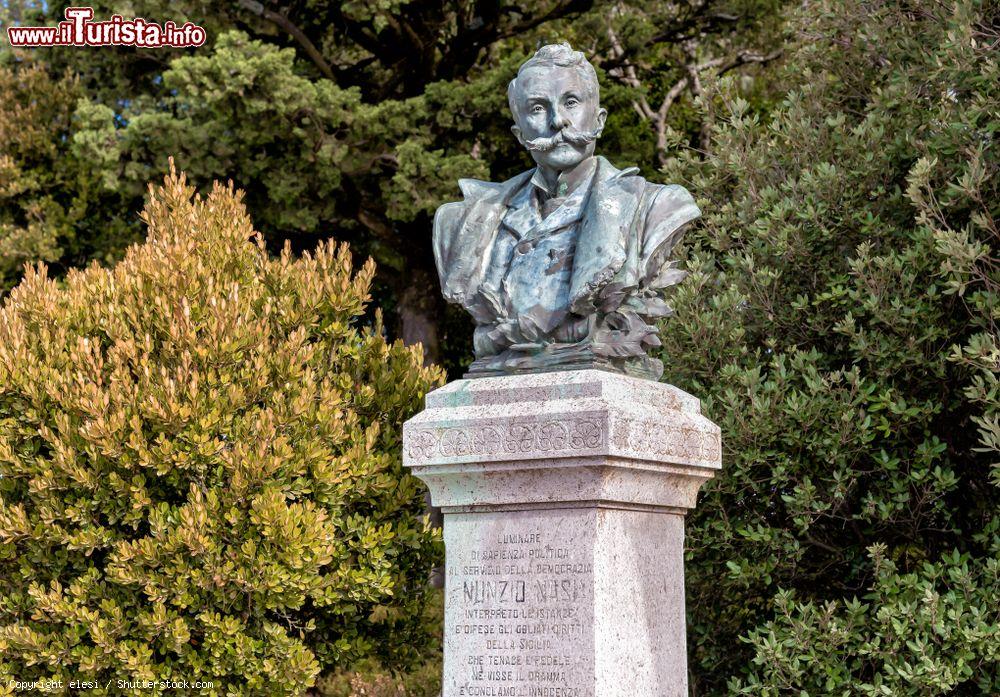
x: 566, y: 135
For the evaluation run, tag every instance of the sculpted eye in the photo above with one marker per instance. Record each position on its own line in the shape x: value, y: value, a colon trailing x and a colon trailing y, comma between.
x: 537, y: 109
x: 572, y: 102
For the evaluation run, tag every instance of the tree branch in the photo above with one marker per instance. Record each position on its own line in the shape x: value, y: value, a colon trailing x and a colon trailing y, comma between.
x: 628, y: 74
x: 747, y: 57
x: 559, y: 12
x: 619, y: 66
x: 375, y: 223
x: 283, y: 22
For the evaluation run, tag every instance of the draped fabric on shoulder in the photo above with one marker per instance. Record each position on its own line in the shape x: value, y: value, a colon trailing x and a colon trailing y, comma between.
x: 464, y: 232
x: 668, y: 216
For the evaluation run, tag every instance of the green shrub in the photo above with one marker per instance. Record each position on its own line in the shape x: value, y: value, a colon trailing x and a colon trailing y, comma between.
x: 840, y: 322
x: 200, y: 464
x: 370, y: 679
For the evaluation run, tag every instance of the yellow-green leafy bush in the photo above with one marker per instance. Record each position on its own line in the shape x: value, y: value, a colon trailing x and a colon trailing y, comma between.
x: 199, y: 464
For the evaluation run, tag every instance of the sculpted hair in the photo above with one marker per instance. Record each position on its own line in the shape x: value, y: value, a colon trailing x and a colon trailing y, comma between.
x: 556, y: 55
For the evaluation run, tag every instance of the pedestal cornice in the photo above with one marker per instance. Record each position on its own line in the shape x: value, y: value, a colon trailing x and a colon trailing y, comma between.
x: 560, y: 440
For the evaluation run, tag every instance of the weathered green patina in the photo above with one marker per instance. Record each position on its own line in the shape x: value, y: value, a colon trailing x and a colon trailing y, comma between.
x: 562, y: 266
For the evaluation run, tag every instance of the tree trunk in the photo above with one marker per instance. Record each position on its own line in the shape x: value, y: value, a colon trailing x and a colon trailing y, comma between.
x: 420, y: 312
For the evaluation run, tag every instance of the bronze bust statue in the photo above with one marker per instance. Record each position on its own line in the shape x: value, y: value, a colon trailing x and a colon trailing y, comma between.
x: 561, y: 267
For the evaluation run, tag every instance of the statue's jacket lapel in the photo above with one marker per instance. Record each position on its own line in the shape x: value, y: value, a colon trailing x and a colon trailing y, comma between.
x: 603, y: 245
x: 464, y: 235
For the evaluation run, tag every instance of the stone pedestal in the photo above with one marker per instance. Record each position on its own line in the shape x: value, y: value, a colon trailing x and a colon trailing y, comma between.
x: 564, y: 497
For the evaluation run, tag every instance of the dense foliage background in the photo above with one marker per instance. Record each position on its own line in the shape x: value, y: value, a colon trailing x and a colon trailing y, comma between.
x: 840, y: 323
x: 840, y: 320
x: 346, y: 118
x: 199, y: 465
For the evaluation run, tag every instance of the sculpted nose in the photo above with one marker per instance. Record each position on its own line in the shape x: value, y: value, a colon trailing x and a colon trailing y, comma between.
x: 559, y: 121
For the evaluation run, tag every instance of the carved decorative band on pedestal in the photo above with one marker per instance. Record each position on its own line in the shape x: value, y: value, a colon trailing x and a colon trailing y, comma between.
x: 679, y: 444
x: 506, y: 438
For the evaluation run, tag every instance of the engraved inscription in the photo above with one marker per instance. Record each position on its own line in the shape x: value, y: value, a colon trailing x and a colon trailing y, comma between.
x: 519, y: 607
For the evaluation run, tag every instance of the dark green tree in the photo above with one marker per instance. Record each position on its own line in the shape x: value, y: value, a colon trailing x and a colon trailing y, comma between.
x: 355, y: 119
x: 840, y: 324
x: 52, y: 197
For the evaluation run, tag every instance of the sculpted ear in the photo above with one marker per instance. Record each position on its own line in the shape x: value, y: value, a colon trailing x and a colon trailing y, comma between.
x: 517, y: 133
x: 602, y: 115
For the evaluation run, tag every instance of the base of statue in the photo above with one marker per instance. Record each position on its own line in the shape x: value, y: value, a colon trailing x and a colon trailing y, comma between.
x: 564, y: 496
x: 558, y: 357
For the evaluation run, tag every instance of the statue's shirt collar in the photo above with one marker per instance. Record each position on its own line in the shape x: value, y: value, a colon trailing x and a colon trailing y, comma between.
x: 525, y: 217
x: 567, y: 181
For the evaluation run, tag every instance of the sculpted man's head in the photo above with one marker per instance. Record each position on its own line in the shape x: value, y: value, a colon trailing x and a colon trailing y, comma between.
x: 555, y: 101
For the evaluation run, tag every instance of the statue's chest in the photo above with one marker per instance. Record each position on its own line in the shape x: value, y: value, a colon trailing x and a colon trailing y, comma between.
x: 537, y: 281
